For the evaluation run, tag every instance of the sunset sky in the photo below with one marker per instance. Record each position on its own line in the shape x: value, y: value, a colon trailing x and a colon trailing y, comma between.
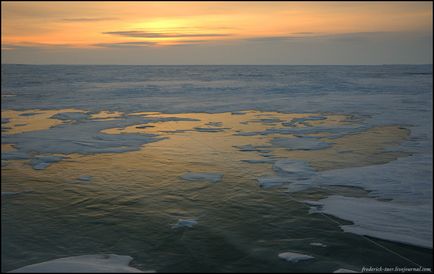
x: 216, y: 32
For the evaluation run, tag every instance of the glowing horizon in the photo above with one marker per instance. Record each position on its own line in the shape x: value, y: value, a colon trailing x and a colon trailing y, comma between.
x: 106, y: 26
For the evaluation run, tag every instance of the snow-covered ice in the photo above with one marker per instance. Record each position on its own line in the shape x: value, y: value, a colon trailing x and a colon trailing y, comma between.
x: 294, y: 257
x: 101, y: 263
x: 409, y: 224
x: 294, y: 168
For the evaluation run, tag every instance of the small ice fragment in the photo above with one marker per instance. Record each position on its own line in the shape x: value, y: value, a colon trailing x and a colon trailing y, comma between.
x: 42, y: 162
x: 185, y: 223
x: 344, y: 270
x: 211, y: 177
x: 312, y: 203
x: 318, y: 244
x: 84, y: 178
x: 294, y: 257
x: 269, y: 182
x: 296, y: 167
x: 40, y: 166
x: 70, y: 116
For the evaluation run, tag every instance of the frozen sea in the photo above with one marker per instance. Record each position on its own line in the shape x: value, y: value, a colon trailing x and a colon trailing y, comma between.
x: 217, y: 168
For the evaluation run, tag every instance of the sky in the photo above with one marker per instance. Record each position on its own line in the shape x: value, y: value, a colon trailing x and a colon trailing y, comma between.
x: 217, y: 33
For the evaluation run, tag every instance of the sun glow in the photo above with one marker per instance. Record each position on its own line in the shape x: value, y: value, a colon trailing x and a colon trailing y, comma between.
x: 108, y: 24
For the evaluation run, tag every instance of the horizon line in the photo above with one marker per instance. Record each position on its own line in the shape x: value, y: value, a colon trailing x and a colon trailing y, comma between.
x: 391, y: 64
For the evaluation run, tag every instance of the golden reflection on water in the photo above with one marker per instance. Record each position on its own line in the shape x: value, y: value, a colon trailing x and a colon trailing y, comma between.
x: 31, y: 120
x: 188, y: 147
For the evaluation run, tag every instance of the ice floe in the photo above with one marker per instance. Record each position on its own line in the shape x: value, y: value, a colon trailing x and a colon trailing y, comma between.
x: 185, y: 223
x: 73, y: 116
x: 408, y: 224
x: 294, y: 257
x: 318, y: 244
x: 42, y: 162
x: 103, y: 263
x: 303, y: 143
x: 270, y: 182
x: 252, y: 148
x: 84, y: 178
x: 210, y: 177
x: 294, y: 168
x: 82, y: 138
x: 344, y: 270
x: 295, y: 121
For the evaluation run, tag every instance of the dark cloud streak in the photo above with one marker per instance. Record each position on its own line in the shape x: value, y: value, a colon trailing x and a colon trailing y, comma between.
x: 145, y: 34
x: 89, y: 19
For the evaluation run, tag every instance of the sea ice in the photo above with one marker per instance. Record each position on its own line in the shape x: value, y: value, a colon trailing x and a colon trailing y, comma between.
x: 294, y: 121
x: 344, y: 270
x: 103, y: 263
x: 403, y: 223
x: 251, y: 148
x: 312, y: 203
x: 294, y: 257
x: 318, y: 244
x: 269, y: 182
x: 82, y: 138
x: 74, y: 116
x: 295, y: 168
x: 211, y: 177
x: 42, y: 162
x: 303, y: 143
x: 84, y: 178
x: 185, y: 223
